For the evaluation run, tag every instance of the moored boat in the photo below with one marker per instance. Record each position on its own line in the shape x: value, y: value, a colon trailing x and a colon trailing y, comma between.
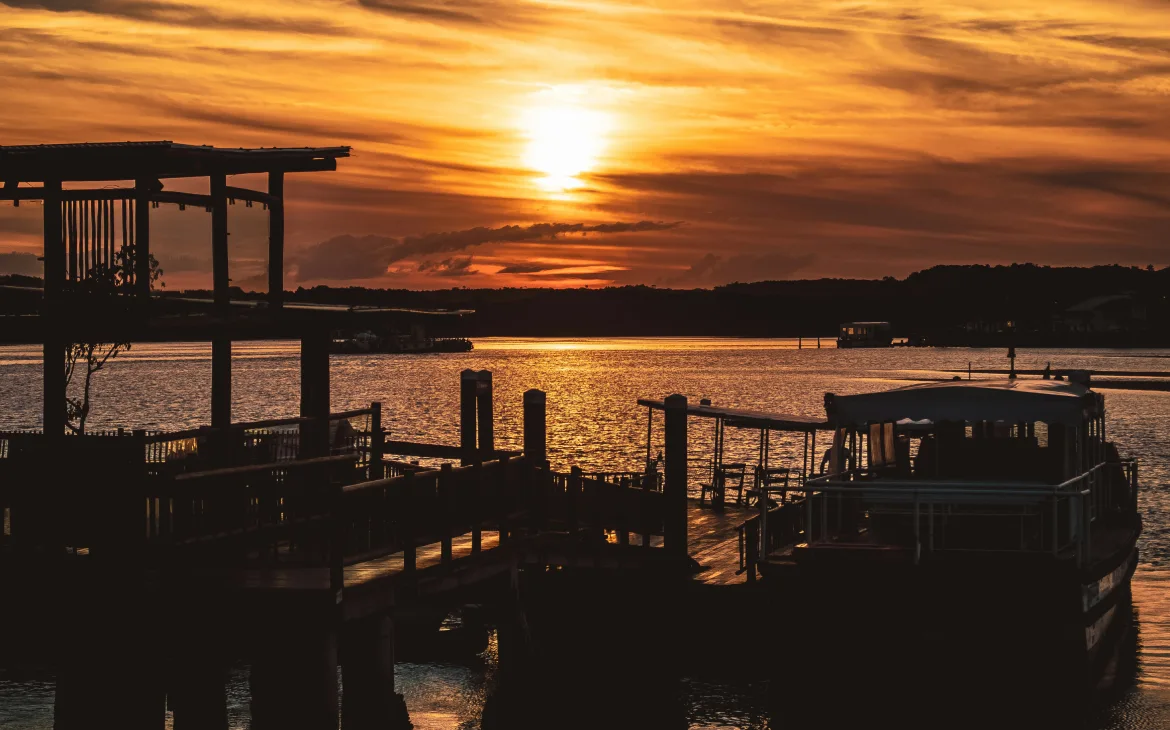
x: 864, y: 334
x: 988, y: 512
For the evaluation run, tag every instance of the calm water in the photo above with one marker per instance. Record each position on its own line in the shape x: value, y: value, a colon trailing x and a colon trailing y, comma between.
x: 592, y: 387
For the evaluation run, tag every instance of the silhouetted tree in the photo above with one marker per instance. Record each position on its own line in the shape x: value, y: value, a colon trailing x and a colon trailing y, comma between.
x: 101, y: 285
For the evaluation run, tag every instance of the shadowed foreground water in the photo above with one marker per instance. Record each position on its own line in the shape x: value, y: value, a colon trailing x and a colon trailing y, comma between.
x: 592, y: 387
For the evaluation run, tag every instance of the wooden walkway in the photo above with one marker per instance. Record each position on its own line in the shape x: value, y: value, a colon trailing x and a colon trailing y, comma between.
x: 713, y: 541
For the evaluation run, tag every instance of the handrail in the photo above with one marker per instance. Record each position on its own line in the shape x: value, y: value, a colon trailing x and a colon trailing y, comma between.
x: 423, y: 473
x: 253, y: 468
x: 153, y: 438
x: 828, y: 483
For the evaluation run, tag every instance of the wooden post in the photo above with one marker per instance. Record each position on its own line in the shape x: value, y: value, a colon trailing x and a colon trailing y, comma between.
x: 276, y: 241
x: 377, y: 441
x: 468, y: 380
x: 675, y: 490
x: 503, y: 498
x: 477, y: 508
x: 447, y: 500
x: 367, y: 669
x: 572, y: 499
x: 483, y: 398
x: 623, y: 493
x: 315, y: 393
x: 142, y: 191
x: 219, y: 244
x: 221, y: 382
x: 535, y: 426
x: 53, y: 350
x: 409, y: 551
x: 294, y: 675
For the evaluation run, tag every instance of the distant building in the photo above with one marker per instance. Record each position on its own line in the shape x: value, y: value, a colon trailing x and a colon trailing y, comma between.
x: 1111, y: 313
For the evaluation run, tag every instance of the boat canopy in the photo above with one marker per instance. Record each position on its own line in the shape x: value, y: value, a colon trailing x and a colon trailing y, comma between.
x: 739, y: 418
x: 1011, y: 401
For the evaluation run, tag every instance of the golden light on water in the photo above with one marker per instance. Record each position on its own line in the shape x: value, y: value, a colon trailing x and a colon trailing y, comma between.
x: 565, y: 139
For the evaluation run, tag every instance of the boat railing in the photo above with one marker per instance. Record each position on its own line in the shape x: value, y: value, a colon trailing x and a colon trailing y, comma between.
x: 1053, y: 518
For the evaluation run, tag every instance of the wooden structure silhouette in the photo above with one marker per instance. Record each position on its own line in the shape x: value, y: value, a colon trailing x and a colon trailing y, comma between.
x: 295, y: 538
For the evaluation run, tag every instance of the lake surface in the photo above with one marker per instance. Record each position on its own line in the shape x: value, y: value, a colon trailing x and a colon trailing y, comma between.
x: 594, y: 422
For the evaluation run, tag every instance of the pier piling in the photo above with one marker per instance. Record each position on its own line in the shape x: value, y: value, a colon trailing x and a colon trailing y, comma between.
x: 675, y: 537
x: 468, y: 385
x: 369, y: 700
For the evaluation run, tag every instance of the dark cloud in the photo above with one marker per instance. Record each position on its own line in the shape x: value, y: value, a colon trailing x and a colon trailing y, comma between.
x: 716, y: 269
x: 351, y: 257
x: 16, y: 262
x: 346, y: 257
x: 527, y: 268
x: 179, y: 14
x: 460, y: 12
x: 447, y: 267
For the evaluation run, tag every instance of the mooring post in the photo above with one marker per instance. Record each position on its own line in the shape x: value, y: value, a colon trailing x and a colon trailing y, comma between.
x: 294, y: 674
x: 377, y: 441
x: 675, y: 490
x: 483, y: 398
x: 536, y: 454
x: 468, y: 383
x: 315, y: 393
x: 535, y: 425
x: 447, y: 500
x: 367, y: 656
x: 572, y: 498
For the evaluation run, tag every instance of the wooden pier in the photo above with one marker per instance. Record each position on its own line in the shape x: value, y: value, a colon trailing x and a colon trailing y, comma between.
x: 147, y: 561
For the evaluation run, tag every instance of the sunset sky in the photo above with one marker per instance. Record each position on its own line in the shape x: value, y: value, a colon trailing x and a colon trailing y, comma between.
x: 588, y: 143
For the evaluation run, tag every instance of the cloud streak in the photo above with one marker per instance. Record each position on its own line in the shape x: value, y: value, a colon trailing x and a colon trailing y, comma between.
x: 349, y: 257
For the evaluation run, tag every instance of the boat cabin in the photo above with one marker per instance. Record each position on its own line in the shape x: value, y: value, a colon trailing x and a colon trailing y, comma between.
x: 864, y: 334
x: 937, y: 468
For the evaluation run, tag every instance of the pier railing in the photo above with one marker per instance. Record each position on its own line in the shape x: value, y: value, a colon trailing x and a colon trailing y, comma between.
x: 930, y: 516
x: 621, y: 503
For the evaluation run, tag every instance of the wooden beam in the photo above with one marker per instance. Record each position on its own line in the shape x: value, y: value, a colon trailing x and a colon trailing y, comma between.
x: 276, y: 240
x: 53, y: 351
x: 142, y: 238
x: 193, y: 199
x: 221, y: 382
x: 253, y: 195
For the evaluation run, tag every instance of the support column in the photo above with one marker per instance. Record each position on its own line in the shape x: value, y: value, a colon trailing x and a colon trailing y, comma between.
x: 142, y: 202
x: 535, y: 433
x: 221, y: 382
x: 486, y: 416
x: 109, y: 672
x: 377, y: 441
x: 315, y: 393
x: 675, y: 490
x: 53, y: 351
x: 219, y: 245
x: 369, y: 700
x: 468, y: 382
x: 276, y: 241
x: 198, y: 697
x: 294, y: 677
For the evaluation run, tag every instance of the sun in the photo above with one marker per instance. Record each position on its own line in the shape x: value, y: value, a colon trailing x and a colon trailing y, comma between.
x: 565, y: 140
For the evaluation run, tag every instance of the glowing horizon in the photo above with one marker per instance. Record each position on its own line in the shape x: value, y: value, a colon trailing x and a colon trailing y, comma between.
x: 565, y: 143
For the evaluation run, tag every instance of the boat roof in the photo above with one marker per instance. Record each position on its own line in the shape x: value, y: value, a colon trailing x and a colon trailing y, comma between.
x: 1012, y: 401
x: 741, y: 418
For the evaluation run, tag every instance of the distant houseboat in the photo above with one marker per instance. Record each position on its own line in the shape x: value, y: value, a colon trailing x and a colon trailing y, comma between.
x: 364, y: 343
x: 865, y: 334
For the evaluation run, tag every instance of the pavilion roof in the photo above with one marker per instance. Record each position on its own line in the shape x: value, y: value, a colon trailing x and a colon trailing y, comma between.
x: 91, y: 161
